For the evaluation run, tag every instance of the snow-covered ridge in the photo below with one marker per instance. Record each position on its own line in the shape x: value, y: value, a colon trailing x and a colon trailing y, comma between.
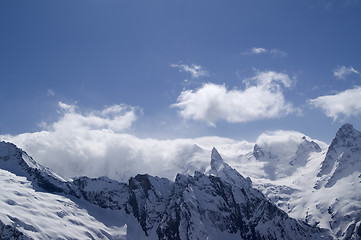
x: 29, y: 214
x: 219, y: 204
x: 20, y: 163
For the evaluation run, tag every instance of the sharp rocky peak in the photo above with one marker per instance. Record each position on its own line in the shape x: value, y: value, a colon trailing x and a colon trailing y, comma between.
x: 219, y: 168
x: 346, y: 131
x: 216, y: 160
x: 215, y: 155
x: 346, y: 136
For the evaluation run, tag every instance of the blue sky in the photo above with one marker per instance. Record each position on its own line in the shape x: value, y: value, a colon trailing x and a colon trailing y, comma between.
x: 181, y: 69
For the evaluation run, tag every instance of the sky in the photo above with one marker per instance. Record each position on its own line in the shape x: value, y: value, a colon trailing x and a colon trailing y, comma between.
x: 167, y: 70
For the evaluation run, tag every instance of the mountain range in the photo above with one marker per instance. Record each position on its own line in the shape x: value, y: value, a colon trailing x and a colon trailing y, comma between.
x: 302, y: 189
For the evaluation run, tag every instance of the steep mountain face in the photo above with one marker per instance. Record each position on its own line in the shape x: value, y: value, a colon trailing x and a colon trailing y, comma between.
x: 219, y: 203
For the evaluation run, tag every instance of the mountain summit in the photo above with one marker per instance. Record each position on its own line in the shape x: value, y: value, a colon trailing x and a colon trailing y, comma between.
x: 346, y: 131
x: 343, y: 156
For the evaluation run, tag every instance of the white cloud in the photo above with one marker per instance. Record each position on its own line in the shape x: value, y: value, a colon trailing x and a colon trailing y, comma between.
x: 259, y: 50
x: 115, y: 118
x: 343, y: 104
x: 261, y: 99
x: 196, y: 71
x: 341, y: 72
x: 66, y: 107
x: 80, y: 144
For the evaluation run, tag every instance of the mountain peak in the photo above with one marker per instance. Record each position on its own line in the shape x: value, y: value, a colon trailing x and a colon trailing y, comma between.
x: 345, y: 131
x: 346, y: 136
x: 217, y: 162
x: 342, y: 157
x: 215, y: 155
x: 8, y: 149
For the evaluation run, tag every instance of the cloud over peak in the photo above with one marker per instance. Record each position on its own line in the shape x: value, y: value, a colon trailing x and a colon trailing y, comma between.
x: 87, y: 144
x: 262, y: 98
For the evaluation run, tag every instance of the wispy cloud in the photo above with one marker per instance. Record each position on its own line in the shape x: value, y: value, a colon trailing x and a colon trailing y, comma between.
x: 50, y: 92
x: 343, y: 104
x: 341, y: 72
x: 277, y: 52
x: 196, y: 71
x: 261, y: 50
x: 261, y: 99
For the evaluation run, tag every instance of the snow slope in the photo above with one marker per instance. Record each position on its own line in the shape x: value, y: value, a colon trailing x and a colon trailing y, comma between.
x: 41, y: 215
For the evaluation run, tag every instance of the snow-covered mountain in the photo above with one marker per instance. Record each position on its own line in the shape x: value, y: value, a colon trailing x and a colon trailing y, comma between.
x: 220, y: 203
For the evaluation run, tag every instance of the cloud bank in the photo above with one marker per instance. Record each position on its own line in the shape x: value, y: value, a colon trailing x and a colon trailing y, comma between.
x: 341, y: 72
x: 95, y: 143
x: 343, y: 104
x: 85, y: 143
x: 262, y: 98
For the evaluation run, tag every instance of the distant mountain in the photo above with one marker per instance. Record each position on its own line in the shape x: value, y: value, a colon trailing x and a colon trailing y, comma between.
x: 322, y: 186
x: 283, y: 159
x: 36, y: 203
